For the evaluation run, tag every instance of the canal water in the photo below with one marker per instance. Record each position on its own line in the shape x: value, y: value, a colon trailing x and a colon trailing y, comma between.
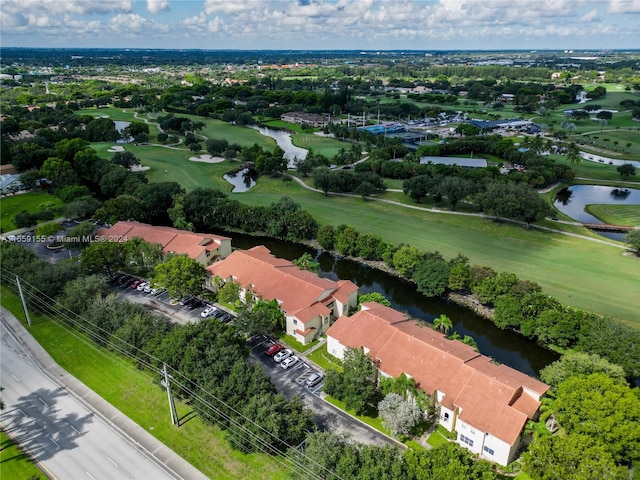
x: 504, y: 346
x: 242, y: 180
x: 283, y: 139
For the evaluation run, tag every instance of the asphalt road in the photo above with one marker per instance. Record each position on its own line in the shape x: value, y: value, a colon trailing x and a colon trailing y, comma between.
x: 69, y: 440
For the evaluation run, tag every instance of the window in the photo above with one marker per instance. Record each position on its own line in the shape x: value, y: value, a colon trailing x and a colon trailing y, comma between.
x: 295, y: 322
x: 446, y: 417
x: 488, y: 450
x: 466, y: 440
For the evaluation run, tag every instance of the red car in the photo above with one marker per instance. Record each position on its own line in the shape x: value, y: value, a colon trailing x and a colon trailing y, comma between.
x: 135, y: 284
x: 273, y: 349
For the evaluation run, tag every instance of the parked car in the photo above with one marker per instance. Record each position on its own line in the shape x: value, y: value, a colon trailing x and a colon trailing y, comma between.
x: 208, y: 312
x: 135, y: 284
x: 226, y: 317
x: 273, y: 349
x: 196, y: 303
x: 289, y: 362
x: 158, y: 291
x: 141, y: 286
x: 185, y: 300
x: 283, y: 354
x: 147, y: 288
x: 314, y: 380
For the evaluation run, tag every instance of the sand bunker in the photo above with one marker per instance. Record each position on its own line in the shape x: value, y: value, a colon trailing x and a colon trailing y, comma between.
x: 139, y: 168
x: 115, y: 149
x: 207, y: 159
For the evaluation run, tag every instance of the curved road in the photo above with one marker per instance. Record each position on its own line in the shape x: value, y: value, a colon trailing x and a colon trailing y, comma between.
x: 69, y: 439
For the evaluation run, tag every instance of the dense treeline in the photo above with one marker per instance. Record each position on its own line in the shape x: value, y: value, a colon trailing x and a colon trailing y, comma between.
x: 209, y: 209
x: 518, y: 304
x: 328, y: 455
x: 211, y: 355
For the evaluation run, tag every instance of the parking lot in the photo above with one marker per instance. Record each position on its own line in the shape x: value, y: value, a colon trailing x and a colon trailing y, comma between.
x: 291, y: 382
x: 162, y: 304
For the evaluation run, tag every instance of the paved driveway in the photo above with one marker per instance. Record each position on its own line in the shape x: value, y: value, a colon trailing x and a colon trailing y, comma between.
x: 291, y: 382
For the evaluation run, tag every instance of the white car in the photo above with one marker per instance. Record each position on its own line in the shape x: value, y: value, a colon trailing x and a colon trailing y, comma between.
x: 282, y: 355
x: 207, y: 312
x: 289, y: 362
x: 147, y: 288
x: 141, y: 286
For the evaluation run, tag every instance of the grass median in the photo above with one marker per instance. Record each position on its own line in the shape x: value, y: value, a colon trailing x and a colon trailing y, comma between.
x: 139, y: 396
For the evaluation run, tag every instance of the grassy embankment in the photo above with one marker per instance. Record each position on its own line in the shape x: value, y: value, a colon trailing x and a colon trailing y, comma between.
x: 16, y: 464
x: 138, y: 396
x: 616, y: 214
x: 12, y: 205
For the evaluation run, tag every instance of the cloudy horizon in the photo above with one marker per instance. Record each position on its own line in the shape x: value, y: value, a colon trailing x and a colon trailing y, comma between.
x: 323, y: 24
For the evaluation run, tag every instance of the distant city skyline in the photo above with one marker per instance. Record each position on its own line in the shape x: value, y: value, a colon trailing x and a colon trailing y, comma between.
x: 323, y: 24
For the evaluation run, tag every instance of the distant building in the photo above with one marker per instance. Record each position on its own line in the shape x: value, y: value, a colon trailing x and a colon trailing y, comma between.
x: 313, y: 119
x: 486, y: 404
x: 310, y: 303
x: 205, y: 248
x: 461, y: 162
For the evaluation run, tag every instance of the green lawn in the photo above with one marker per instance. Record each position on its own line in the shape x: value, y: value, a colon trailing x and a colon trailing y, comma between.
x: 326, y: 146
x: 588, y: 169
x: 616, y: 214
x: 14, y: 204
x: 436, y: 439
x: 294, y: 127
x: 137, y: 395
x: 576, y: 271
x: 325, y: 360
x: 14, y: 464
x: 374, y: 422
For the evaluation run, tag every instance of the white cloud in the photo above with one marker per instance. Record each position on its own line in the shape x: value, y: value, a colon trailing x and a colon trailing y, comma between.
x: 589, y: 17
x: 230, y: 6
x: 156, y: 6
x: 623, y: 6
x: 56, y: 7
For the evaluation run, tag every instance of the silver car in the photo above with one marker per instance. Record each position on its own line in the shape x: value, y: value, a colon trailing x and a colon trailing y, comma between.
x: 282, y: 355
x: 289, y: 362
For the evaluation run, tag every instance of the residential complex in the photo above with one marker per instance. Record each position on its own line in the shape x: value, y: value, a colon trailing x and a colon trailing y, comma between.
x: 309, y: 302
x: 205, y: 248
x: 487, y: 404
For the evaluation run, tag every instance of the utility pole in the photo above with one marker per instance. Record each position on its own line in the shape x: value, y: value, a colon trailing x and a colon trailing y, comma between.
x: 167, y: 385
x: 24, y: 302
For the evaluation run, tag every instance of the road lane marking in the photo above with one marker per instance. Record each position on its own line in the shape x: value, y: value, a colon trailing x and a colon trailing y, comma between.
x: 43, y: 402
x: 23, y: 414
x: 90, y: 476
x: 56, y: 443
x: 15, y: 378
x: 113, y: 462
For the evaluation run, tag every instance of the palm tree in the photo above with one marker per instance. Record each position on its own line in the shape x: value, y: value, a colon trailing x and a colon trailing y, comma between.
x: 573, y: 154
x: 442, y: 323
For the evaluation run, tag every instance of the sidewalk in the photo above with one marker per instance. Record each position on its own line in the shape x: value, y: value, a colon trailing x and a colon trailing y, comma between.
x: 138, y: 436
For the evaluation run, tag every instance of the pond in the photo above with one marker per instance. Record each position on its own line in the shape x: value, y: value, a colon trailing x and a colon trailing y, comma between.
x: 242, y: 180
x: 283, y: 139
x: 120, y: 126
x: 573, y: 204
x: 505, y: 346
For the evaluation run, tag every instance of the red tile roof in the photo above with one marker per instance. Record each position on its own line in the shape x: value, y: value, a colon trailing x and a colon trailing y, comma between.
x: 491, y: 397
x: 171, y: 239
x: 300, y: 293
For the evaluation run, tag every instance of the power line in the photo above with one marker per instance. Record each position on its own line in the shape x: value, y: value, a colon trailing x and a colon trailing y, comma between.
x: 292, y: 462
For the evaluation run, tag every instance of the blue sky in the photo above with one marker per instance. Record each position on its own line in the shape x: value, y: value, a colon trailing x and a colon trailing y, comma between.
x: 323, y: 24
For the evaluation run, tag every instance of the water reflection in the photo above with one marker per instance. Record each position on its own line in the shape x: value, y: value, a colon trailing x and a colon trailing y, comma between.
x: 242, y: 180
x: 505, y: 346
